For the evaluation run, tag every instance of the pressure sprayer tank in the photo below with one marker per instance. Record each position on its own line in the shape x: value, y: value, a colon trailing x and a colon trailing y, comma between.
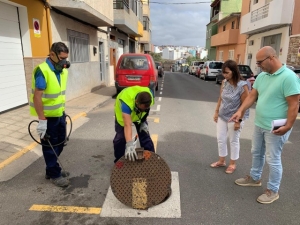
x: 142, y: 183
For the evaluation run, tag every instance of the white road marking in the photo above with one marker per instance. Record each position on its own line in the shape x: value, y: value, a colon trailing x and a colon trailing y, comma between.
x: 161, y: 89
x: 160, y: 93
x: 157, y: 109
x: 159, y: 99
x: 112, y: 207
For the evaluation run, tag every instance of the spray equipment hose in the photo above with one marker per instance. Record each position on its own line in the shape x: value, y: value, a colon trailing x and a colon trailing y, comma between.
x: 63, y: 142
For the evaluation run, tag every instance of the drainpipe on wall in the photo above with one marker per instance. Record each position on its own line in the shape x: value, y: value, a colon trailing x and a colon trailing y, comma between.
x: 47, y: 8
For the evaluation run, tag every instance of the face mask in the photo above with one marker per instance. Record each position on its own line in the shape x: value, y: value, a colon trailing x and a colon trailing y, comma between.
x: 61, y: 64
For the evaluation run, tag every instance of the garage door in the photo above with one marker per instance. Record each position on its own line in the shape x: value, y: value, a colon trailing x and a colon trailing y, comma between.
x: 12, y: 75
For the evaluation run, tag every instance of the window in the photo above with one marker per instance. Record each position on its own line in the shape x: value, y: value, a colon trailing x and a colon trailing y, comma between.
x: 231, y: 54
x: 224, y: 28
x: 251, y: 42
x: 220, y: 55
x: 209, y: 33
x: 145, y: 22
x: 79, y: 46
x: 232, y: 24
x: 255, y: 1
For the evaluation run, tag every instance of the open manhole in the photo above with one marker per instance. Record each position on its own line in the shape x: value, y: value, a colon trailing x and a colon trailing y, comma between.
x: 142, y: 183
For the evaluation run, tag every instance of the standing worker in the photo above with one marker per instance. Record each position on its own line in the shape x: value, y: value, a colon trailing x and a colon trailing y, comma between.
x: 277, y: 91
x: 47, y: 101
x: 132, y: 106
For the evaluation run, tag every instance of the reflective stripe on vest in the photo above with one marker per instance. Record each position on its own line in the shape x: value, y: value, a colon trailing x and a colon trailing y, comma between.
x: 54, y: 96
x: 128, y: 96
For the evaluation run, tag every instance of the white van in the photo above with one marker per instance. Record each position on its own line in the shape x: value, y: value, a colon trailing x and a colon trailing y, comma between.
x: 193, y: 66
x: 210, y: 69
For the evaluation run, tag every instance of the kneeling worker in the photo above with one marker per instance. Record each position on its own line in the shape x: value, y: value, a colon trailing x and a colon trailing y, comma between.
x: 132, y: 106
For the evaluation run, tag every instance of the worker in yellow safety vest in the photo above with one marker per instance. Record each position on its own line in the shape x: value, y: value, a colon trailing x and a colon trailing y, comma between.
x: 132, y: 106
x: 47, y: 102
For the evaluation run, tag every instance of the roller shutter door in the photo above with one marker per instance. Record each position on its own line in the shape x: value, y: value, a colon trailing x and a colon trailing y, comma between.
x: 12, y: 75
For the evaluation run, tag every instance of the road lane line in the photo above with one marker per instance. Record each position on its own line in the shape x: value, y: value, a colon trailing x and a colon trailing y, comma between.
x: 159, y: 99
x: 154, y: 138
x: 161, y: 89
x: 155, y: 119
x: 65, y: 209
x: 157, y: 109
x: 30, y: 147
x: 160, y: 93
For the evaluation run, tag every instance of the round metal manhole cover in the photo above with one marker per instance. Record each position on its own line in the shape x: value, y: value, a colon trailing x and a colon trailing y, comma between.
x: 142, y: 183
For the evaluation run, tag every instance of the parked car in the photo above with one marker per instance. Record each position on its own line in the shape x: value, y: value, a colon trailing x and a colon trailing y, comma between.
x: 193, y: 66
x: 210, y: 69
x: 136, y: 69
x: 245, y: 72
x: 160, y: 69
x: 198, y: 71
x: 295, y: 69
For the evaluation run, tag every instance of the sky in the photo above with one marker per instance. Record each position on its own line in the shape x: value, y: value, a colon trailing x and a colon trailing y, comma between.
x: 179, y: 25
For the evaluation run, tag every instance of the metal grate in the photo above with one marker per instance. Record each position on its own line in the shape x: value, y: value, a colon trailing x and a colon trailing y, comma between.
x: 121, y: 4
x: 143, y: 183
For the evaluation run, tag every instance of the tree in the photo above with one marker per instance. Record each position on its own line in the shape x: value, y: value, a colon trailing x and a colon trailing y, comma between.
x: 156, y: 56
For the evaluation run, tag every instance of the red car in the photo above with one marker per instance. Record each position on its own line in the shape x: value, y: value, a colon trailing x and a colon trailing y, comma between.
x: 136, y: 69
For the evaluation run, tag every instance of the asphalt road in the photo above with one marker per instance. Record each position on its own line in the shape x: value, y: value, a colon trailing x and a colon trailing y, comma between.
x: 186, y: 140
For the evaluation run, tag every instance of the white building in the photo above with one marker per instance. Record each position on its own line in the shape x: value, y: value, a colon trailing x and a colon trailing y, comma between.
x: 267, y: 23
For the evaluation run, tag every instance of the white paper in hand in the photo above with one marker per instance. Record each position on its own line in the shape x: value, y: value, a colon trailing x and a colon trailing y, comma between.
x: 277, y: 123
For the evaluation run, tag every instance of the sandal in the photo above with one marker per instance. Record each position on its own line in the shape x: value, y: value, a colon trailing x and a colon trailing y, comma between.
x: 230, y: 169
x: 217, y: 164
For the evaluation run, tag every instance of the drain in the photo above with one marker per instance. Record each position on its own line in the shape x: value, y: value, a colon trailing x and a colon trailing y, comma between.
x: 143, y: 183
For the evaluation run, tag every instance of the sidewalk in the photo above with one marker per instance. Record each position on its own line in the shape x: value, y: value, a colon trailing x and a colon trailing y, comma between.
x: 15, y: 141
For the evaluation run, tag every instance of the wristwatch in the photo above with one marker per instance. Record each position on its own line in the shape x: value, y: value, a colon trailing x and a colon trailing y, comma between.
x: 240, y: 120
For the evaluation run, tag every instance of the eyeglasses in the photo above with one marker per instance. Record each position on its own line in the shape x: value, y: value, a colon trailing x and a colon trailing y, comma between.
x: 260, y: 62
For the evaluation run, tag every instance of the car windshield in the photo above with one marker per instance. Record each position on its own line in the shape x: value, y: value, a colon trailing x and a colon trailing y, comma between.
x: 244, y: 68
x: 197, y: 63
x: 215, y: 65
x: 134, y: 63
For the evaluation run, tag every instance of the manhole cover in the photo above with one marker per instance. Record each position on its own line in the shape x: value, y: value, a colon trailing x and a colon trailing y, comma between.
x: 142, y: 183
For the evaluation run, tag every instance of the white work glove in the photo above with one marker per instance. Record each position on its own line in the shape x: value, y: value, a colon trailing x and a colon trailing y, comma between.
x: 130, y: 152
x: 144, y: 127
x: 42, y: 128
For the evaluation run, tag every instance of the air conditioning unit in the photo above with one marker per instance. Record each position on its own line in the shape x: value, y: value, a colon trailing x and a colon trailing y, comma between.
x: 251, y: 42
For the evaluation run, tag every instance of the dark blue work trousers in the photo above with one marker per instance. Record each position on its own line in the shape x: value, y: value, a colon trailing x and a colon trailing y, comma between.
x: 56, y: 129
x: 120, y: 141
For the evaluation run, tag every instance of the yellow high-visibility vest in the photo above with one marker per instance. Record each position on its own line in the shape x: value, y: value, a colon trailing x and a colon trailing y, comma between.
x: 128, y: 96
x: 54, y: 96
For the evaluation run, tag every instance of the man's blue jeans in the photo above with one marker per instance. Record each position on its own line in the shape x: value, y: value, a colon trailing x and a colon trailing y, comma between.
x: 267, y: 146
x: 56, y: 129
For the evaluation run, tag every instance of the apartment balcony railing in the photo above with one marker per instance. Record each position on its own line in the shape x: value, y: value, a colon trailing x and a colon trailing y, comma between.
x: 121, y: 4
x: 260, y: 13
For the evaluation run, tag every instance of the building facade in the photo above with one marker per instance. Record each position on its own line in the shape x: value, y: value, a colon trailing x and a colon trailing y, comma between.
x: 219, y: 10
x: 30, y: 28
x: 293, y: 57
x: 146, y: 40
x: 267, y: 23
x: 229, y: 43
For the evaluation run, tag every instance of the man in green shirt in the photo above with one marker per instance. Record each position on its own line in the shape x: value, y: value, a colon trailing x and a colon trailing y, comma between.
x: 277, y: 92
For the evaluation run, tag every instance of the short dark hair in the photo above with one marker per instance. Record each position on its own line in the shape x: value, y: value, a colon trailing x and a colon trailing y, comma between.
x: 144, y: 98
x: 59, y: 47
x: 232, y: 65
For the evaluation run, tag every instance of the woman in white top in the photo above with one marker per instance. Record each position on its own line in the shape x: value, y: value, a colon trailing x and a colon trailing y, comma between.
x: 233, y: 92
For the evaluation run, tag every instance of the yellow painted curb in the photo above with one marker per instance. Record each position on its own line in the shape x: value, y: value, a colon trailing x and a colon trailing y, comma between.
x: 30, y: 147
x: 65, y: 209
x: 154, y: 138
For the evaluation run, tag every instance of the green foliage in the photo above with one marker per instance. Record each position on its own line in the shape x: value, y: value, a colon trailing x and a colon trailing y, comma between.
x: 156, y: 56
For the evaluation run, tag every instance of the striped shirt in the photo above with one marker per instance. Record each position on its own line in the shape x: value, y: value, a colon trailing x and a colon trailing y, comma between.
x: 231, y: 100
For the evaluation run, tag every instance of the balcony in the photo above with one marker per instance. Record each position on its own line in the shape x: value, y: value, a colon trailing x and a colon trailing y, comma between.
x: 146, y: 39
x: 271, y: 15
x: 89, y: 11
x: 125, y: 19
x: 215, y: 18
x: 227, y: 37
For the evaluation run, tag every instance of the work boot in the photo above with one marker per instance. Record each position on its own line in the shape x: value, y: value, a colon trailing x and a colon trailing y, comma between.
x: 63, y: 174
x: 60, y: 181
x: 268, y: 197
x: 248, y: 181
